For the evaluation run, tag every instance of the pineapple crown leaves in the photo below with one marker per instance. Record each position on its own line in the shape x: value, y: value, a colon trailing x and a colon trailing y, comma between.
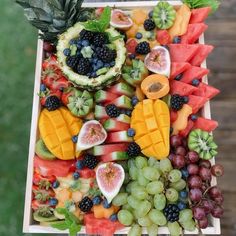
x: 53, y: 17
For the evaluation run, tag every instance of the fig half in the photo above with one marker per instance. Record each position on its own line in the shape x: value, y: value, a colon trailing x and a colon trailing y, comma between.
x: 120, y: 20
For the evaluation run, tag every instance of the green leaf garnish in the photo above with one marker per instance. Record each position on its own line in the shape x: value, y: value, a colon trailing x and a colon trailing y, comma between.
x: 214, y: 4
x: 101, y: 24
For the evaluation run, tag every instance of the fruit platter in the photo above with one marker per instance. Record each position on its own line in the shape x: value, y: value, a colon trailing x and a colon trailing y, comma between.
x: 121, y: 135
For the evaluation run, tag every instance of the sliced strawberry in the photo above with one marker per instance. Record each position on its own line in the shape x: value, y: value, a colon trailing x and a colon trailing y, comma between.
x: 131, y: 45
x: 37, y: 204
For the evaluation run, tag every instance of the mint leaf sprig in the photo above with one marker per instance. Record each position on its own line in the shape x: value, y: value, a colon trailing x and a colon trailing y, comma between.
x: 101, y: 24
x: 71, y: 222
x: 214, y: 4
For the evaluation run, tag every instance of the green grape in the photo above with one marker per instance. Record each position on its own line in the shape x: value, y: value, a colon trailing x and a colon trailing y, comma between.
x: 160, y: 201
x: 122, y: 189
x: 144, y: 221
x: 185, y: 215
x: 150, y: 199
x: 143, y: 208
x: 189, y: 225
x: 165, y: 165
x: 135, y: 230
x: 139, y: 192
x: 174, y: 176
x: 151, y: 173
x: 172, y: 195
x: 157, y: 165
x: 157, y: 217
x: 135, y: 214
x: 151, y: 161
x: 125, y: 217
x: 152, y: 230
x: 142, y: 180
x: 133, y: 202
x: 133, y: 172
x: 155, y: 187
x: 120, y: 199
x: 131, y: 163
x: 127, y: 207
x: 130, y: 185
x: 141, y: 162
x: 127, y: 178
x: 179, y: 185
x: 174, y: 228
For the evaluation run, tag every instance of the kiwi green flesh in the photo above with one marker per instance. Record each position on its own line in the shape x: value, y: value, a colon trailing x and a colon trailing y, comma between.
x: 39, y: 218
x: 42, y: 151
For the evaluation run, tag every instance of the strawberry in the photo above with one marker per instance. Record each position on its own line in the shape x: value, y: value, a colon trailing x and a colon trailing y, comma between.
x: 43, y: 182
x: 42, y: 195
x: 37, y: 204
x: 52, y: 60
x: 131, y: 45
x: 65, y: 95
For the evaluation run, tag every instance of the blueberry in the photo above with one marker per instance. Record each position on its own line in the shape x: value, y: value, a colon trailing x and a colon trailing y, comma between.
x: 85, y: 43
x: 56, y: 184
x: 176, y: 39
x: 78, y: 54
x: 112, y: 63
x: 195, y: 82
x: 113, y: 217
x: 79, y: 46
x: 138, y: 35
x: 179, y: 77
x: 66, y: 52
x: 183, y: 194
x: 106, y: 204
x: 131, y: 132
x: 193, y: 117
x: 96, y: 200
x: 128, y: 112
x: 132, y: 56
x: 134, y: 101
x: 43, y: 87
x: 79, y: 164
x: 150, y: 14
x: 53, y: 201
x: 73, y: 41
x: 100, y: 64
x: 181, y: 205
x: 95, y: 60
x: 185, y: 173
x: 186, y: 99
x: 76, y: 175
x: 79, y: 42
x: 106, y: 65
x: 74, y: 138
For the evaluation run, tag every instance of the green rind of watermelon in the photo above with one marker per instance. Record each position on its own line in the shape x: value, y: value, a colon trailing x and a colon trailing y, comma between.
x: 201, y: 54
x: 118, y: 137
x: 112, y: 125
x: 122, y: 89
x: 100, y: 112
x: 194, y: 72
x: 205, y: 90
x: 196, y: 102
x: 122, y: 102
x: 178, y: 68
x: 123, y: 118
x: 183, y: 89
x: 186, y: 131
x: 108, y: 148
x: 102, y: 96
x: 205, y: 124
x: 199, y: 15
x: 193, y: 33
x: 114, y: 156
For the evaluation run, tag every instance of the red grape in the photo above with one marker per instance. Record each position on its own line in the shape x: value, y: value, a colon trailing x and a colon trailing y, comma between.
x: 175, y: 141
x: 214, y: 192
x: 193, y: 169
x: 199, y: 213
x: 205, y: 163
x: 195, y: 194
x: 207, y: 205
x: 219, y: 200
x: 171, y: 157
x: 205, y: 173
x: 192, y: 157
x: 48, y: 47
x: 217, y: 211
x: 195, y: 181
x: 178, y: 162
x: 185, y: 143
x: 217, y: 170
x: 203, y: 223
x: 180, y: 151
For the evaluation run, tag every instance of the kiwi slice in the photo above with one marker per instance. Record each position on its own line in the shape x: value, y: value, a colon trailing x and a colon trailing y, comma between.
x: 42, y: 151
x: 202, y: 142
x: 164, y: 15
x: 44, y: 214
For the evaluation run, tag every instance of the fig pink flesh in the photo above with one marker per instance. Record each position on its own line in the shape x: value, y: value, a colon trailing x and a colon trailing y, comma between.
x: 157, y: 58
x: 118, y: 17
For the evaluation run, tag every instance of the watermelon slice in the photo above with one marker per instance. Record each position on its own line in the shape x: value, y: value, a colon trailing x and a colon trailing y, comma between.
x: 115, y: 125
x: 205, y: 124
x: 193, y: 33
x: 108, y: 148
x: 196, y: 102
x: 194, y: 72
x: 199, y: 15
x: 185, y: 132
x: 173, y: 116
x: 122, y: 89
x: 122, y: 102
x: 202, y: 53
x: 163, y: 37
x: 182, y: 52
x: 114, y: 156
x: 178, y: 68
x: 205, y: 90
x: 118, y: 137
x: 183, y: 89
x: 103, y: 96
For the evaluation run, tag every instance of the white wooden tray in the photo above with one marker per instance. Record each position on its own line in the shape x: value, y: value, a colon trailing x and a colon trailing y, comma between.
x: 29, y: 225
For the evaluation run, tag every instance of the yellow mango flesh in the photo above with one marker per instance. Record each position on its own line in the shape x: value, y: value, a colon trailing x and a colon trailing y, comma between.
x: 151, y: 121
x: 56, y: 129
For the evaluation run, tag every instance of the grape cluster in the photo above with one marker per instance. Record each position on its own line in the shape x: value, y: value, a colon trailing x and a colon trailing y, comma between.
x: 153, y: 186
x: 205, y: 199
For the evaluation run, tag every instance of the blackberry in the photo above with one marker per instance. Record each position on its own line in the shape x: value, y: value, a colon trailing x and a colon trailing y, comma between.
x: 90, y: 161
x: 112, y: 110
x: 149, y: 25
x: 52, y: 103
x: 83, y: 66
x: 72, y: 61
x: 86, y: 35
x: 133, y: 149
x: 142, y: 48
x: 106, y: 54
x: 171, y: 212
x: 176, y: 102
x: 99, y: 39
x: 86, y: 204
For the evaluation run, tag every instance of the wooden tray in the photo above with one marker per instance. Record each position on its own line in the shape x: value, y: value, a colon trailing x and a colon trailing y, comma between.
x: 29, y: 225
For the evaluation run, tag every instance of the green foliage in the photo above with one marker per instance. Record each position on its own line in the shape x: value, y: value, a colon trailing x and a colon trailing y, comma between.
x: 214, y: 4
